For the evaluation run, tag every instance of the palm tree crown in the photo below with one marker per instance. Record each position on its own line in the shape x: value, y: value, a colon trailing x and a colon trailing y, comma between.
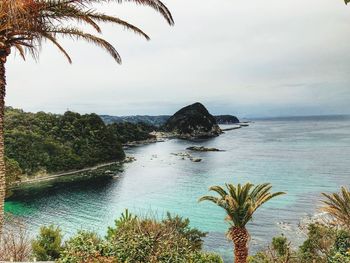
x: 24, y: 24
x: 338, y: 206
x: 240, y: 202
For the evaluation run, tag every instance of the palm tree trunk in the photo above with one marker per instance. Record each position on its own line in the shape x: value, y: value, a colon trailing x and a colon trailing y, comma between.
x: 240, y: 238
x: 2, y: 148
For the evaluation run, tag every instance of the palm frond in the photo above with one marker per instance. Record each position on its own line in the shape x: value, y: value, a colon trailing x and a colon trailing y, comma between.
x: 219, y: 190
x: 240, y: 202
x: 24, y: 24
x: 338, y: 206
x: 80, y: 35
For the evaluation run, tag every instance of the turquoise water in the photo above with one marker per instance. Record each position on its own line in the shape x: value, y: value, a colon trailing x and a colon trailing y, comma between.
x: 302, y: 157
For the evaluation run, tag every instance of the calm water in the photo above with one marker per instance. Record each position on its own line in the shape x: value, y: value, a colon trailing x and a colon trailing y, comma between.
x: 303, y: 157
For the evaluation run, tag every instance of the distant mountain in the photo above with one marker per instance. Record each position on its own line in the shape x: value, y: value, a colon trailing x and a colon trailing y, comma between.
x: 226, y: 119
x: 160, y: 120
x: 150, y: 120
x: 193, y: 121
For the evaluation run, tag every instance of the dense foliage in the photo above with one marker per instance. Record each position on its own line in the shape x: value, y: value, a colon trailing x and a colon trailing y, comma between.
x: 48, y: 244
x: 324, y: 244
x: 150, y: 120
x: 130, y: 132
x: 49, y: 143
x: 52, y: 143
x: 140, y: 240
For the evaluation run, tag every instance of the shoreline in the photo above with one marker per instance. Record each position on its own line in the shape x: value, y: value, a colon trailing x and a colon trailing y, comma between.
x: 47, y: 177
x: 157, y: 137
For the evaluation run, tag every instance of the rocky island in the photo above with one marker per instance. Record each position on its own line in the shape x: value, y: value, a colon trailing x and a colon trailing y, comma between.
x: 203, y: 149
x: 226, y: 119
x: 193, y: 122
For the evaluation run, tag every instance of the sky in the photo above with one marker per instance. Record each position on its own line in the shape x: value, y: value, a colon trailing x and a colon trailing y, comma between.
x: 249, y: 58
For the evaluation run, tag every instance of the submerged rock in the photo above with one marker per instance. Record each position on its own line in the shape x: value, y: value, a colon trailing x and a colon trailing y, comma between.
x: 193, y: 122
x: 186, y: 155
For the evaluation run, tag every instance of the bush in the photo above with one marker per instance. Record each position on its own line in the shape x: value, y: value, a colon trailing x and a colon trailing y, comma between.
x: 133, y: 239
x: 317, y: 246
x: 205, y: 258
x: 341, y: 248
x: 84, y: 247
x: 48, y: 244
x: 278, y: 252
x: 147, y: 240
x: 324, y: 244
x: 182, y: 226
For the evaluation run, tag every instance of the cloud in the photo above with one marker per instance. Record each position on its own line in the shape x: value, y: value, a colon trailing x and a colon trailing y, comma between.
x: 247, y: 57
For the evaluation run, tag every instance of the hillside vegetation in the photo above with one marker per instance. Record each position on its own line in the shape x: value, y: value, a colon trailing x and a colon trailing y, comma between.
x: 45, y: 142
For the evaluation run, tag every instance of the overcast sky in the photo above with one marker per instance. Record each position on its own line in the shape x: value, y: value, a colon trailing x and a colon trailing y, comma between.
x: 250, y: 58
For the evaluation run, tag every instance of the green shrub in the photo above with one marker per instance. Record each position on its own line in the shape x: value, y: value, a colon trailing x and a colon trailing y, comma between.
x: 133, y: 239
x: 147, y: 240
x: 280, y: 245
x: 341, y: 249
x: 278, y: 252
x: 48, y: 244
x: 182, y: 226
x: 85, y: 246
x: 324, y: 244
x: 317, y: 246
x: 203, y: 257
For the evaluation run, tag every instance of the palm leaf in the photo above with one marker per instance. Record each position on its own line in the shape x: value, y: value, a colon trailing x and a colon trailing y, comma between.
x: 25, y: 24
x: 241, y: 201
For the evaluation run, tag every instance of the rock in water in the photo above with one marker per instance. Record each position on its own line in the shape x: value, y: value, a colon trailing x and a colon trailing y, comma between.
x: 202, y: 149
x: 193, y: 121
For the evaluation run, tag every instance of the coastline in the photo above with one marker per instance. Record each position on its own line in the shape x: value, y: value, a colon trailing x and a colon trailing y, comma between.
x: 156, y: 137
x: 49, y: 177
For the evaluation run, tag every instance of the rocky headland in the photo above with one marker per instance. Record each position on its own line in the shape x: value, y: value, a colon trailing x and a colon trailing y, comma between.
x: 193, y: 122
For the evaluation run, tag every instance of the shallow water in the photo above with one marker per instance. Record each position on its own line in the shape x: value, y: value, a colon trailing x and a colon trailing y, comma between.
x: 302, y: 157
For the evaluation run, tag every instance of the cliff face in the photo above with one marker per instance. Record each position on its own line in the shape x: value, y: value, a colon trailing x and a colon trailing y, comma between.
x: 193, y: 121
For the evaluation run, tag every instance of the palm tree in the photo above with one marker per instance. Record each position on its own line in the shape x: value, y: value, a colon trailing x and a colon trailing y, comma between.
x: 338, y: 206
x: 25, y: 24
x: 240, y: 203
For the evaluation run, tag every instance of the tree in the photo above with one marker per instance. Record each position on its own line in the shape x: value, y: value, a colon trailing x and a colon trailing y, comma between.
x: 338, y: 206
x: 240, y: 203
x: 25, y: 24
x: 48, y: 244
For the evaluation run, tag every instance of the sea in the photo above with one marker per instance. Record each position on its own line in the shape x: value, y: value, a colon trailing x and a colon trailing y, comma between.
x: 302, y: 156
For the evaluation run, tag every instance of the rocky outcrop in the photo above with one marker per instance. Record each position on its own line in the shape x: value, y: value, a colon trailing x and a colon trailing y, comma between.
x: 192, y: 122
x: 226, y: 119
x: 202, y: 149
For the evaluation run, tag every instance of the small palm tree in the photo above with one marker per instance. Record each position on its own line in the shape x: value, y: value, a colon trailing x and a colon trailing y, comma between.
x: 338, y: 206
x: 25, y: 24
x: 240, y: 203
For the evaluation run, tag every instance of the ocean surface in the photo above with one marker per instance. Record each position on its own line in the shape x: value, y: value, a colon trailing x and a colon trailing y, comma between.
x: 301, y: 156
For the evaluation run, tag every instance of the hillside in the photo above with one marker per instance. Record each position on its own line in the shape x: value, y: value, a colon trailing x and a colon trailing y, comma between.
x: 150, y: 120
x: 51, y: 143
x: 193, y: 121
x: 160, y: 119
